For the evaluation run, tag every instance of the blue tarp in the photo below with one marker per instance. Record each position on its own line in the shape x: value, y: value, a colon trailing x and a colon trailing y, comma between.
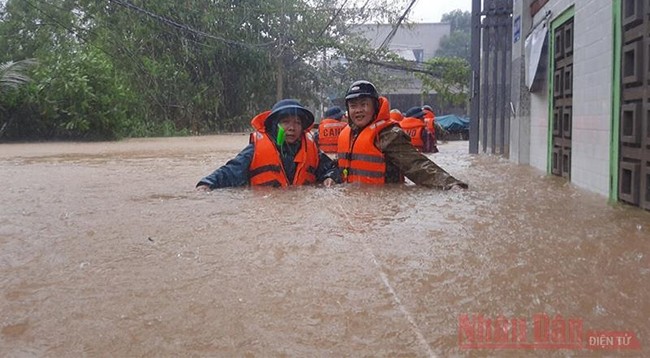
x: 453, y: 123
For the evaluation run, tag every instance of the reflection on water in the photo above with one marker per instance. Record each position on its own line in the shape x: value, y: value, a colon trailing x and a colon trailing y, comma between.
x: 106, y: 249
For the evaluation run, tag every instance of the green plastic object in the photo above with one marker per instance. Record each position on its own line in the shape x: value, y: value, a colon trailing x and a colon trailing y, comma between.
x: 280, y: 137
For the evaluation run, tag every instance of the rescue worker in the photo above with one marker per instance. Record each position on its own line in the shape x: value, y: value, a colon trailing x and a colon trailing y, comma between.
x: 431, y: 146
x: 330, y: 128
x: 396, y: 115
x: 413, y: 125
x: 281, y: 152
x: 374, y: 150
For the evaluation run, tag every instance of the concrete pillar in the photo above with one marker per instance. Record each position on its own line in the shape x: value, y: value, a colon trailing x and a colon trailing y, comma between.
x: 520, y: 97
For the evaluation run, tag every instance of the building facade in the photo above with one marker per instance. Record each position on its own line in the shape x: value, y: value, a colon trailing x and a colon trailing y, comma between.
x: 413, y: 42
x: 587, y: 119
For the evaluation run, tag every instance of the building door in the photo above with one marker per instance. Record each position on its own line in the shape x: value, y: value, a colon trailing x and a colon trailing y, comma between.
x: 634, y: 130
x: 562, y: 99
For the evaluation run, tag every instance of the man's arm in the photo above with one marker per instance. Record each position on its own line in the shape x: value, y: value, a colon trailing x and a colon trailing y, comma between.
x: 327, y: 169
x: 396, y: 146
x: 233, y: 173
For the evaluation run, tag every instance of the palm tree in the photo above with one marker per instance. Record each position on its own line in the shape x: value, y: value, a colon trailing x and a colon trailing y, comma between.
x: 12, y: 74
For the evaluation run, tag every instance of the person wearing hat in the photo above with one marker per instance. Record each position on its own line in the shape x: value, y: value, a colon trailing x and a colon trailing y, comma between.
x: 413, y: 125
x: 281, y: 152
x: 330, y: 128
x: 373, y: 149
x: 431, y: 144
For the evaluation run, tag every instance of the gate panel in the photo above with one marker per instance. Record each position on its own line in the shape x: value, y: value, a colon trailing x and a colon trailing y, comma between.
x: 496, y: 47
x: 634, y: 137
x: 562, y: 100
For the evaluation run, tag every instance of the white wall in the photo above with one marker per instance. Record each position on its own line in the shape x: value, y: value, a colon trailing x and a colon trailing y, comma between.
x: 408, y: 37
x: 592, y: 90
x: 424, y: 36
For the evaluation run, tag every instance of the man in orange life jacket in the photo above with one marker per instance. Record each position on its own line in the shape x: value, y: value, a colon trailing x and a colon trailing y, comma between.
x: 430, y: 146
x: 374, y: 150
x: 268, y: 161
x: 425, y: 140
x: 329, y: 129
x: 413, y: 125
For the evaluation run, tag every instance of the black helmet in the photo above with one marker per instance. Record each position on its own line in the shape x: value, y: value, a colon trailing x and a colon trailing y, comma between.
x: 361, y: 89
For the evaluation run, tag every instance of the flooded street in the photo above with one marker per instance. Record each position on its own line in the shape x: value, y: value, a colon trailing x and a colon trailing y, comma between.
x: 107, y: 250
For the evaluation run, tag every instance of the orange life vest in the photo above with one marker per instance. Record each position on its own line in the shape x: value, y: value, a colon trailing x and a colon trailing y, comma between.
x: 396, y: 116
x: 414, y: 127
x: 266, y: 166
x: 429, y: 121
x: 359, y: 158
x: 328, y: 134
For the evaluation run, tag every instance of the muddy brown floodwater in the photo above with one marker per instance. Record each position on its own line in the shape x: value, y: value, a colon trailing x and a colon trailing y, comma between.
x: 107, y: 250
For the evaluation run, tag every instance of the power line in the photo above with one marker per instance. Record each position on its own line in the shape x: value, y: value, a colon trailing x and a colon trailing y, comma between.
x: 332, y: 20
x: 186, y: 27
x: 56, y: 21
x: 76, y: 31
x: 407, y: 66
x: 322, y: 31
x: 392, y: 33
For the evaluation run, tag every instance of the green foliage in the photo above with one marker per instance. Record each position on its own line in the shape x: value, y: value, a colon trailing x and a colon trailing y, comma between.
x: 140, y: 68
x: 81, y: 96
x: 457, y: 43
x: 458, y: 20
x: 451, y: 80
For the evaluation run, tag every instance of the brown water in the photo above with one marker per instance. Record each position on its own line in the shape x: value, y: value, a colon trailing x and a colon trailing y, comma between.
x: 107, y: 250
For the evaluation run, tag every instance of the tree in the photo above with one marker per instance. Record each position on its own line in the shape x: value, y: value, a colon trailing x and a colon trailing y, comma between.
x: 12, y: 74
x: 457, y: 43
x: 458, y: 20
x: 450, y: 79
x: 75, y: 91
x: 138, y: 67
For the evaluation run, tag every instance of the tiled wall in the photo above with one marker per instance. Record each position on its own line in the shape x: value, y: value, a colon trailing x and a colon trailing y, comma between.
x: 592, y: 91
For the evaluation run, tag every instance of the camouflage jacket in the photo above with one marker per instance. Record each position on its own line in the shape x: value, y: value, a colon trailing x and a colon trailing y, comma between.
x: 403, y: 158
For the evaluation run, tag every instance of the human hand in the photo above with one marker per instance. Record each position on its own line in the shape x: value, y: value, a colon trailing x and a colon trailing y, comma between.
x: 203, y: 188
x: 328, y: 182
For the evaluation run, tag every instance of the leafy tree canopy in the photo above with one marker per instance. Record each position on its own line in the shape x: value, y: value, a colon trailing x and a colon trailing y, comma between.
x: 134, y: 67
x: 457, y: 43
x: 449, y: 77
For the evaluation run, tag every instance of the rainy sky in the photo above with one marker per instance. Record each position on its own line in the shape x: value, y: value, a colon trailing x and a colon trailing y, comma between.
x: 432, y: 10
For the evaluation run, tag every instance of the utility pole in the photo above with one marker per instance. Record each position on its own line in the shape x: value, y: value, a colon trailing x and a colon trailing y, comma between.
x: 279, y: 62
x: 474, y: 112
x: 322, y: 84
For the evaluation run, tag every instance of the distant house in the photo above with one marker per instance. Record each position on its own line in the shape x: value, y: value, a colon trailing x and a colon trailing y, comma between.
x: 413, y: 42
